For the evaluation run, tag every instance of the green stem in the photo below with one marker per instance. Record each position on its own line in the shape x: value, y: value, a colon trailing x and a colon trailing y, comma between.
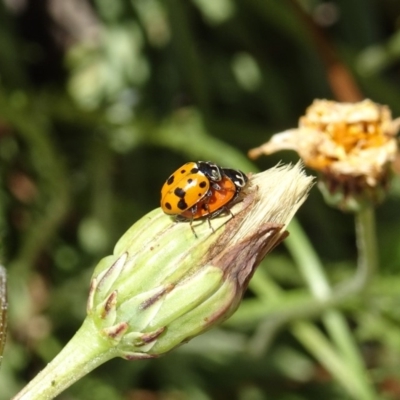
x: 265, y: 288
x: 315, y: 342
x: 190, y: 124
x: 367, y: 263
x: 313, y: 272
x: 84, y: 352
x: 304, y: 254
x: 308, y: 261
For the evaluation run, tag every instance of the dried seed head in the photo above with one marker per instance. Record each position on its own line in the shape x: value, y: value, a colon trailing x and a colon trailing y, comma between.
x: 351, y: 145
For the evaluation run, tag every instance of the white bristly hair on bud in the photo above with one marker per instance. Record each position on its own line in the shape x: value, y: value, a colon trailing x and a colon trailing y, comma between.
x: 277, y: 195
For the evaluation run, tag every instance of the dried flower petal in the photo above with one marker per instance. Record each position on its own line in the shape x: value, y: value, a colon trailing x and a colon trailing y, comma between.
x: 350, y: 144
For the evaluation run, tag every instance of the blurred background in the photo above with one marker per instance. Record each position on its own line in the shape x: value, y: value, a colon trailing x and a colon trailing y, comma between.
x: 101, y: 100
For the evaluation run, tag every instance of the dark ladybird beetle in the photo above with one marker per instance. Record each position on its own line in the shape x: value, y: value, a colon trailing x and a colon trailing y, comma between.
x: 201, y: 190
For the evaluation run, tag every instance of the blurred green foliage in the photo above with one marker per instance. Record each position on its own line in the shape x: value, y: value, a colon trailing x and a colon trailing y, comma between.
x: 100, y: 101
x: 3, y: 310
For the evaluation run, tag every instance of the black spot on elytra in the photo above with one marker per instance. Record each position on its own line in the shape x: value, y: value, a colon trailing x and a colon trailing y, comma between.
x: 179, y: 192
x: 168, y: 206
x: 194, y: 170
x: 183, y: 171
x: 182, y: 205
x: 170, y: 180
x: 203, y: 184
x: 190, y: 180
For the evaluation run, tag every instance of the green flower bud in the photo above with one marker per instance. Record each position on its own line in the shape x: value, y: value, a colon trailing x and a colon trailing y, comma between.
x: 164, y: 285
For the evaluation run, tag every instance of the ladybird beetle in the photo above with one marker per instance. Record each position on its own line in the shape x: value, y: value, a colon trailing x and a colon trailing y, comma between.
x: 202, y: 189
x: 188, y: 185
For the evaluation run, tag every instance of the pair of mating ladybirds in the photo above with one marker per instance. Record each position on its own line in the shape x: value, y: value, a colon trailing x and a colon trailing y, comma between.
x: 201, y: 190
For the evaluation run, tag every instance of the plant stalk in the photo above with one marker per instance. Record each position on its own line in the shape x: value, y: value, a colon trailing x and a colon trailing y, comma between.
x: 83, y: 353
